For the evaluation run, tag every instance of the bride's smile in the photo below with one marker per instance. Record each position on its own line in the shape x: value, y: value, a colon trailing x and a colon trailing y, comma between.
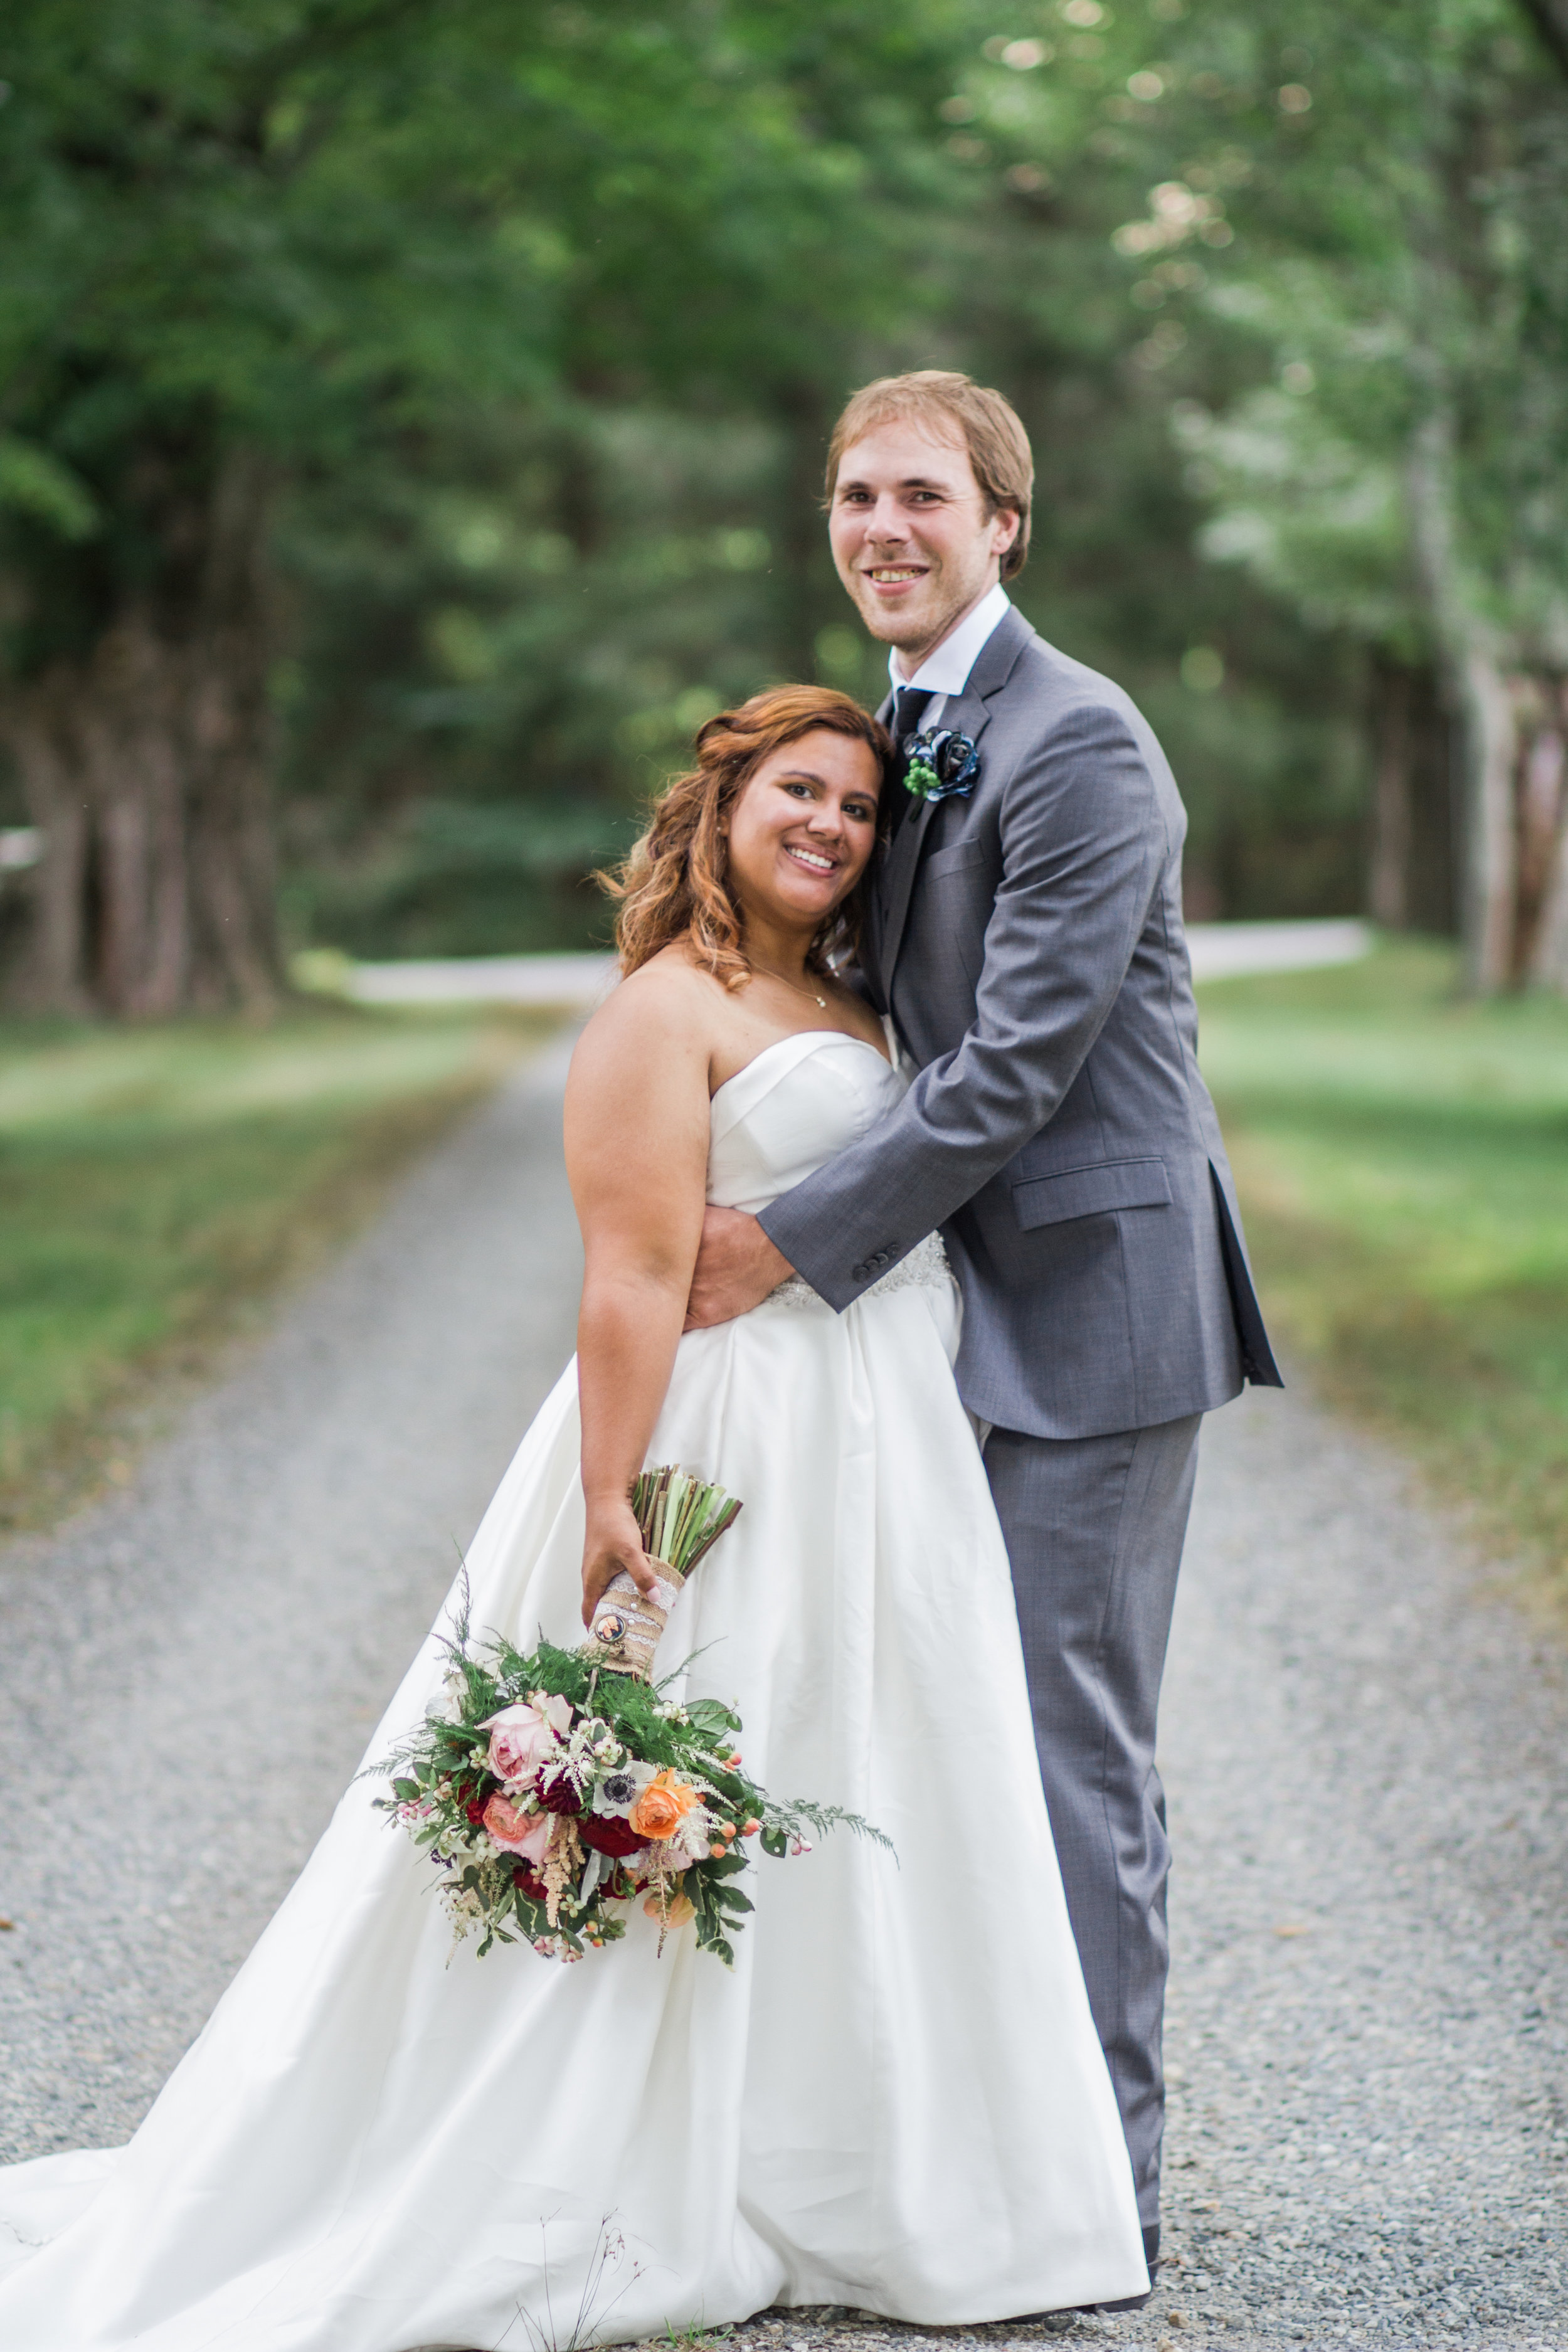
x: 801, y: 833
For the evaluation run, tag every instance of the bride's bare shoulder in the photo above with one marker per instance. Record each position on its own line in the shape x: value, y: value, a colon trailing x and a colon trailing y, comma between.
x: 665, y: 1017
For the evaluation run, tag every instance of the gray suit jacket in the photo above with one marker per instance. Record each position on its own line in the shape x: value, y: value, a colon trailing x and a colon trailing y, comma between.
x: 1028, y: 943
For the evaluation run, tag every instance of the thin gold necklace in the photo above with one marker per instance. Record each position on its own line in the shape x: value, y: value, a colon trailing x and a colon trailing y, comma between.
x: 799, y: 990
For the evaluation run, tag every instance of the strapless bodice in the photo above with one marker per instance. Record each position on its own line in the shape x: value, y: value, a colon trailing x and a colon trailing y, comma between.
x: 792, y: 1109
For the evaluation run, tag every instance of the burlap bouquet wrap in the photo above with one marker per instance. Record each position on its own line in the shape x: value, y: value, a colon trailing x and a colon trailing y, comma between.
x: 680, y: 1517
x: 628, y: 1622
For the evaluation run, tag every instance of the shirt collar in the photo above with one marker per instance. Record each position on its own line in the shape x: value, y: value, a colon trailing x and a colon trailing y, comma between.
x: 946, y: 670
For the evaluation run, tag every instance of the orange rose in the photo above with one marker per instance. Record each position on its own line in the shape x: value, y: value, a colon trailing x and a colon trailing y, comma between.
x: 662, y: 1807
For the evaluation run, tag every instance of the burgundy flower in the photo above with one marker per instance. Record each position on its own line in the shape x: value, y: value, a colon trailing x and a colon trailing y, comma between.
x: 558, y: 1796
x: 608, y: 1833
x: 532, y: 1885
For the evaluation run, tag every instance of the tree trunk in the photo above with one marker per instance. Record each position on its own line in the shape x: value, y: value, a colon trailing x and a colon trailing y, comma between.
x: 1550, y: 18
x: 1491, y: 880
x: 1388, y: 882
x: 144, y: 764
x: 1482, y: 702
x: 1541, y: 947
x: 1549, y: 963
x: 1410, y: 879
x: 1514, y: 736
x: 52, y: 972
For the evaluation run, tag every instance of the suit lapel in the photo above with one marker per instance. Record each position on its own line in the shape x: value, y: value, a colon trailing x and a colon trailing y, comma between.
x: 876, y: 899
x: 966, y: 714
x: 898, y: 873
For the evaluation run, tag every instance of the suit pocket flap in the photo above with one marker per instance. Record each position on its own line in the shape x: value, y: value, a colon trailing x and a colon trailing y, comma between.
x: 1090, y: 1191
x: 955, y: 860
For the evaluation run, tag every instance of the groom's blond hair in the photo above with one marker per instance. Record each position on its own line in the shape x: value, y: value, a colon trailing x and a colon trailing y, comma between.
x: 954, y: 409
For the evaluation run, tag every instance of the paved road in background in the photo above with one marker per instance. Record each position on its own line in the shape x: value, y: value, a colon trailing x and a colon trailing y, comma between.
x: 1364, y: 1753
x: 1219, y: 951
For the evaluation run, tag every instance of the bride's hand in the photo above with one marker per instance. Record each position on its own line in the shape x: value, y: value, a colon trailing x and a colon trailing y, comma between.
x: 613, y: 1541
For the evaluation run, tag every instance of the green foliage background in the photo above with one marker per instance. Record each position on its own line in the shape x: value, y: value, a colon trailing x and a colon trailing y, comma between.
x: 534, y: 322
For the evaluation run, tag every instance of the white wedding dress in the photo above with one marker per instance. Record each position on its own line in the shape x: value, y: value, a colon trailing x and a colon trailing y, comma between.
x: 896, y: 2101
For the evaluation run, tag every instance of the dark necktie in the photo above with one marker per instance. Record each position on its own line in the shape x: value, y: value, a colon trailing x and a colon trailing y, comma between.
x: 908, y: 708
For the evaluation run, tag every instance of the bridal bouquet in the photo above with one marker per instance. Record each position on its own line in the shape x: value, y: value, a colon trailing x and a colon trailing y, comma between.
x: 554, y: 1789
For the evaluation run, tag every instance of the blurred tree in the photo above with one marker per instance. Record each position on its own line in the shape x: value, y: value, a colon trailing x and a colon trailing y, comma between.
x: 422, y: 403
x: 1399, y: 475
x: 1550, y: 18
x: 1258, y: 712
x: 255, y: 250
x: 483, y: 683
x: 570, y: 585
x: 518, y: 645
x: 228, y: 243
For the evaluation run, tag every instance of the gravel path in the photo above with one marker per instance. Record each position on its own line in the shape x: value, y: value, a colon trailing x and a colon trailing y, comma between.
x: 1364, y: 1751
x: 237, y: 1620
x: 1368, y: 1770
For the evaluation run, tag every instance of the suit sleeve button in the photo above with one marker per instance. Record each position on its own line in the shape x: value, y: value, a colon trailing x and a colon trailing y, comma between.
x: 859, y: 1273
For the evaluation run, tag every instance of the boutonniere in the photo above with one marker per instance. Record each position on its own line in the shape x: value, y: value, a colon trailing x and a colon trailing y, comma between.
x: 942, y: 766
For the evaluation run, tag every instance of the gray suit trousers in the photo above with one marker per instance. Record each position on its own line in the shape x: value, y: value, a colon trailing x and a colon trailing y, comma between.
x: 1094, y: 1528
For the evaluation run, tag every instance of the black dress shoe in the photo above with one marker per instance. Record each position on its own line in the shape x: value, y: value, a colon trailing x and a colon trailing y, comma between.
x: 1151, y: 2262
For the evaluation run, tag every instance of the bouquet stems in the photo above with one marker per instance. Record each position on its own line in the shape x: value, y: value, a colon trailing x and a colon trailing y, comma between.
x: 680, y: 1518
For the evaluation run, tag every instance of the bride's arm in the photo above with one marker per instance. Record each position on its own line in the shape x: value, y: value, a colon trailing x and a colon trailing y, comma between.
x: 636, y: 1154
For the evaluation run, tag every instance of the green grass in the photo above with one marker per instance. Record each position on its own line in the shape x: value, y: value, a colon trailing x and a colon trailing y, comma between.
x: 1403, y: 1161
x: 156, y: 1183
x: 1402, y: 1158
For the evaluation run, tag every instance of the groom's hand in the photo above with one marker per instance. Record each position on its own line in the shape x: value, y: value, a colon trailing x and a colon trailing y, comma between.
x: 737, y: 1266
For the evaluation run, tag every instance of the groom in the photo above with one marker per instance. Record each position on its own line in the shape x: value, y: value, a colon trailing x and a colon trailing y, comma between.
x: 1024, y: 930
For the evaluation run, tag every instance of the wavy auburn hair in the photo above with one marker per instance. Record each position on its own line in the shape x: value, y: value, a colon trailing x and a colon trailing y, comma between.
x: 674, y: 884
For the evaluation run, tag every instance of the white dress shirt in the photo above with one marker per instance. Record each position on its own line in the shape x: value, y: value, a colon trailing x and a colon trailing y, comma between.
x: 945, y: 670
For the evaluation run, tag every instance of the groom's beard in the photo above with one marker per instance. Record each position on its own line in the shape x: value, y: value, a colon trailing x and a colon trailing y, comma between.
x: 917, y: 629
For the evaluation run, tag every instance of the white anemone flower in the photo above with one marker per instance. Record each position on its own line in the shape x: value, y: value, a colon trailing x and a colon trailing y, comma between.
x: 615, y: 1791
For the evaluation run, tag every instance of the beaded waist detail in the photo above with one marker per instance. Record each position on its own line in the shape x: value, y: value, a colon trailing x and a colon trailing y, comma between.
x: 926, y: 1267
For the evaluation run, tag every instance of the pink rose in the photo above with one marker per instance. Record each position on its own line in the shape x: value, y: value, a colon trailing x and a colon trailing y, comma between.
x: 522, y: 1742
x: 518, y: 1833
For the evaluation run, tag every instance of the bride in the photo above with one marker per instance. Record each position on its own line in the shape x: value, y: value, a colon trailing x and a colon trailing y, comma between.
x: 897, y: 2100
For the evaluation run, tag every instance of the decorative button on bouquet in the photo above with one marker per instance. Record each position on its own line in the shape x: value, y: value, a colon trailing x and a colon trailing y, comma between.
x: 556, y: 1789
